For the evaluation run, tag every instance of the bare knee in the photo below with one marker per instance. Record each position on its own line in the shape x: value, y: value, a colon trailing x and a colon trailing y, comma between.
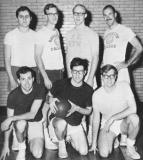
x: 37, y: 152
x: 59, y: 124
x: 104, y: 153
x: 83, y: 151
x: 36, y: 148
x: 134, y: 120
x: 21, y: 125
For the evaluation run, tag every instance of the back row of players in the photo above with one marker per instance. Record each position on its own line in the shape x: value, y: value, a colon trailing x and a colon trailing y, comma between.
x: 24, y: 47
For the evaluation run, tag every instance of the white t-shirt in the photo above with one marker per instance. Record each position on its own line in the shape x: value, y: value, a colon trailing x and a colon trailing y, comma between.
x: 82, y: 42
x: 115, y: 45
x: 52, y: 54
x: 110, y: 103
x: 22, y: 47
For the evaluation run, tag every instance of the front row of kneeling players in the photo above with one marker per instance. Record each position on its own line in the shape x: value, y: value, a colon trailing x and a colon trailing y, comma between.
x: 114, y: 101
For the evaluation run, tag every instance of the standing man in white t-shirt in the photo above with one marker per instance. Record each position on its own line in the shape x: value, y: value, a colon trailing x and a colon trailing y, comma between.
x: 82, y: 42
x: 116, y: 39
x: 19, y: 46
x: 48, y: 54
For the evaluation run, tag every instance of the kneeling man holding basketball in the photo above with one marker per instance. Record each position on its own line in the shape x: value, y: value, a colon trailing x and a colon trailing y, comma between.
x: 76, y: 95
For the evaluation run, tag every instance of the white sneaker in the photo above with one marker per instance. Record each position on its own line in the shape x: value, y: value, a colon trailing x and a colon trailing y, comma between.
x: 62, y: 149
x: 132, y: 153
x: 21, y: 155
x: 123, y: 141
x: 116, y: 143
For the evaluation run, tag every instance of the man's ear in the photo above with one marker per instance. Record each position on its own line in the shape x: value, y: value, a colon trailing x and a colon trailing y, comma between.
x: 115, y: 14
x: 30, y: 19
x: 85, y: 72
x: 18, y: 81
x: 85, y: 15
x: 101, y: 80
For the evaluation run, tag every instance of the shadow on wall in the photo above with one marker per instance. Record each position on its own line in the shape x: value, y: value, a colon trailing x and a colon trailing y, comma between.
x: 60, y: 20
x: 34, y: 21
x: 118, y: 18
x: 59, y: 26
x: 88, y: 19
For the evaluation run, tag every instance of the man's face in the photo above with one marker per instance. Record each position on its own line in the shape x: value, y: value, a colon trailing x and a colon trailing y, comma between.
x: 52, y: 16
x: 24, y: 18
x: 109, y: 78
x: 109, y: 17
x: 26, y: 82
x: 79, y: 15
x: 78, y: 74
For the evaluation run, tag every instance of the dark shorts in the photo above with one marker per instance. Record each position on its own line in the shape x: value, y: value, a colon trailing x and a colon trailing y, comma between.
x: 53, y: 75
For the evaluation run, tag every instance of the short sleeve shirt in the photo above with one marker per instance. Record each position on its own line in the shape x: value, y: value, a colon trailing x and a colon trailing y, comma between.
x: 21, y: 103
x: 81, y: 96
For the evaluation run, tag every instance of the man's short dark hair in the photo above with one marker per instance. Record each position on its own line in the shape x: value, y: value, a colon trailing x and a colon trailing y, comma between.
x: 111, y: 7
x: 48, y: 6
x: 23, y: 8
x: 79, y: 62
x: 24, y: 70
x: 80, y: 5
x: 107, y: 68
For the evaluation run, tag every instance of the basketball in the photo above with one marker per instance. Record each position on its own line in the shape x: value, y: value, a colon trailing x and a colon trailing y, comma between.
x: 63, y: 106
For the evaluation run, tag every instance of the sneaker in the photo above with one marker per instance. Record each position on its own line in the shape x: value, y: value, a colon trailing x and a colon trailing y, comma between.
x: 62, y: 149
x: 116, y: 143
x: 21, y: 155
x: 123, y: 141
x: 132, y: 153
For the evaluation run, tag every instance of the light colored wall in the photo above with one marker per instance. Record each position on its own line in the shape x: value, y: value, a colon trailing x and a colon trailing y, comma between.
x: 131, y: 12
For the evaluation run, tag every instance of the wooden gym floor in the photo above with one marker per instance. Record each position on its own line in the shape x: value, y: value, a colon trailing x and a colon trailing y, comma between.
x: 118, y: 154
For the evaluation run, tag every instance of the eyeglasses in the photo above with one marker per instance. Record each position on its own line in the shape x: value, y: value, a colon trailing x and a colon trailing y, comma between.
x: 24, y: 17
x: 52, y: 14
x: 112, y: 76
x: 79, y: 13
x: 80, y: 72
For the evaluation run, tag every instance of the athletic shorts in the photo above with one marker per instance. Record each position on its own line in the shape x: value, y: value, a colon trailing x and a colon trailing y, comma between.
x: 53, y: 75
x: 35, y: 130
x: 70, y: 131
x: 115, y: 127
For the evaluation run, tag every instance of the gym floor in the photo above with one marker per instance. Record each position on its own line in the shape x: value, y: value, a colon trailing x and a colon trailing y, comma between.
x: 118, y: 154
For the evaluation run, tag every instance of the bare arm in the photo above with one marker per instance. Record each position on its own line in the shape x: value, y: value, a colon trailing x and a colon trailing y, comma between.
x: 67, y: 56
x: 5, y: 149
x: 39, y: 62
x: 95, y: 125
x: 136, y: 52
x: 68, y: 64
x: 130, y: 108
x: 26, y: 116
x: 76, y: 108
x: 7, y: 53
x: 94, y: 63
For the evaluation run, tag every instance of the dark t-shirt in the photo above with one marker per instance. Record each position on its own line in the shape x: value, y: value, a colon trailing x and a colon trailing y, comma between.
x: 81, y: 96
x: 21, y: 103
